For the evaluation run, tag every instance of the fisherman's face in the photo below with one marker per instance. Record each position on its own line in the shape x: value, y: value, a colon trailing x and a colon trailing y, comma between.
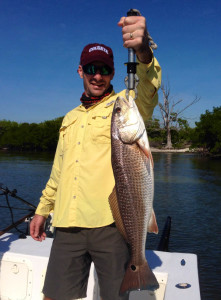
x: 97, y: 84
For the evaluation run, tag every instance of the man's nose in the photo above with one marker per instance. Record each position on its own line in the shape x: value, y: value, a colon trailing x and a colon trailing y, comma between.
x: 98, y: 75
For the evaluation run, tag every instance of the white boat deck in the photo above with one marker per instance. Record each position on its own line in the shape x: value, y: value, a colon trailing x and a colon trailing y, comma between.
x: 23, y: 264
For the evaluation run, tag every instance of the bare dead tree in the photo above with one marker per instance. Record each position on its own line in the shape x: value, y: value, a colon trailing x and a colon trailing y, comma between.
x: 169, y: 115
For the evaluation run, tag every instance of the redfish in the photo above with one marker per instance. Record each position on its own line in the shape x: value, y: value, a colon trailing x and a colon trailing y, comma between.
x: 132, y: 198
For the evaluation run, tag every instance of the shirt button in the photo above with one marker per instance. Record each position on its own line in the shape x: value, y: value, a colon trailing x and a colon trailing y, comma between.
x: 75, y: 178
x: 76, y: 161
x: 82, y: 126
x: 74, y: 197
x: 79, y: 143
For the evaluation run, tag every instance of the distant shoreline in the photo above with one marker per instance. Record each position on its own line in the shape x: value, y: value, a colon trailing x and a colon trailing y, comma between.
x: 153, y: 149
x: 171, y: 150
x: 198, y: 151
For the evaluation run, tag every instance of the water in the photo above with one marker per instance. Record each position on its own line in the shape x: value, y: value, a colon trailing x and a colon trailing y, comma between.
x: 187, y: 188
x: 28, y: 175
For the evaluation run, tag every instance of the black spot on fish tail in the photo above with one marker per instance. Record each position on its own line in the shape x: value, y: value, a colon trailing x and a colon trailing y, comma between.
x: 138, y: 278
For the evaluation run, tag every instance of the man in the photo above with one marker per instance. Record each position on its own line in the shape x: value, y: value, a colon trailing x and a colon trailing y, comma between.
x: 82, y: 179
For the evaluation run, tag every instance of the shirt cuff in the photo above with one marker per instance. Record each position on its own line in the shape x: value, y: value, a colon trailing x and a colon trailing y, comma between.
x: 151, y: 72
x: 43, y: 210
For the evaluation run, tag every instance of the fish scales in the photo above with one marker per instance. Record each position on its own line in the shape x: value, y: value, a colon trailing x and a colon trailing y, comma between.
x: 132, y: 197
x: 132, y: 179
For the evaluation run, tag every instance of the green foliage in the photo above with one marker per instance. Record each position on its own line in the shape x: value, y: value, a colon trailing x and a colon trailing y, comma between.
x: 155, y: 133
x: 153, y: 124
x: 5, y: 125
x: 207, y: 133
x: 44, y: 136
x: 30, y: 137
x: 180, y: 134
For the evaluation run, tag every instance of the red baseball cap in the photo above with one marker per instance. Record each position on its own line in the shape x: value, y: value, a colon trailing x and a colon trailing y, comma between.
x: 97, y: 52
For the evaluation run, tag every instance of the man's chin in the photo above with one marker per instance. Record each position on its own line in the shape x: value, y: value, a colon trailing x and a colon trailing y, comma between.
x: 97, y: 93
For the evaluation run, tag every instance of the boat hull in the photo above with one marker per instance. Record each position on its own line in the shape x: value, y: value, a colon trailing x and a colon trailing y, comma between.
x: 23, y: 264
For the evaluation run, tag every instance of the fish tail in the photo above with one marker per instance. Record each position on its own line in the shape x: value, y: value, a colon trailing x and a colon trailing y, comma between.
x: 138, y: 278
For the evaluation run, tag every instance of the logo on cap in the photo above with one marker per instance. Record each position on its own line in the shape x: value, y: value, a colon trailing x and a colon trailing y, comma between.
x: 98, y: 48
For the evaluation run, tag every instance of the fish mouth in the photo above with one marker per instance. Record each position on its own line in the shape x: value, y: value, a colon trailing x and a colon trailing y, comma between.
x: 125, y: 101
x: 123, y: 104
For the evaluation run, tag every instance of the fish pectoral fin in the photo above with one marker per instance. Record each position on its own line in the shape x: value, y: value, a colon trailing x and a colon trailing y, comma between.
x: 116, y: 213
x: 146, y: 150
x: 152, y: 226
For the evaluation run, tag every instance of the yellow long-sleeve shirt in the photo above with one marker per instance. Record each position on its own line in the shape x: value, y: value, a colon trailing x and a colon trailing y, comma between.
x: 82, y: 179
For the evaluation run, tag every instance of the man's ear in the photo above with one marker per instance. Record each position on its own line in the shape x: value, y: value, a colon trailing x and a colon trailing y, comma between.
x: 80, y: 71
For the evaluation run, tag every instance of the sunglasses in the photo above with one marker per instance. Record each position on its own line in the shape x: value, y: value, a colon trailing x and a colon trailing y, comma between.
x: 91, y: 69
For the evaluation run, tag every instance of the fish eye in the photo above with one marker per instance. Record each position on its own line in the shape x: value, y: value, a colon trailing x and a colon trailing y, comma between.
x: 118, y: 109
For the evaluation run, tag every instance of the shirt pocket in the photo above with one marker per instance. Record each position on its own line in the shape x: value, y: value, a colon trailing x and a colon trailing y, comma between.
x: 101, y: 126
x: 66, y: 132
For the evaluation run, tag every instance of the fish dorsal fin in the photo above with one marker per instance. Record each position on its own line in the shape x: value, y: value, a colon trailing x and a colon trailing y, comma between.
x: 116, y: 213
x: 152, y: 226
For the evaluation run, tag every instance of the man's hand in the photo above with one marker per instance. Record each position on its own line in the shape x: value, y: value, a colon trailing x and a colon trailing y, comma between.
x: 37, y: 228
x: 135, y: 36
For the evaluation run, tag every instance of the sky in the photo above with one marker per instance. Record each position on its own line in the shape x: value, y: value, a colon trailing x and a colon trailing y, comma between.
x: 41, y: 42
